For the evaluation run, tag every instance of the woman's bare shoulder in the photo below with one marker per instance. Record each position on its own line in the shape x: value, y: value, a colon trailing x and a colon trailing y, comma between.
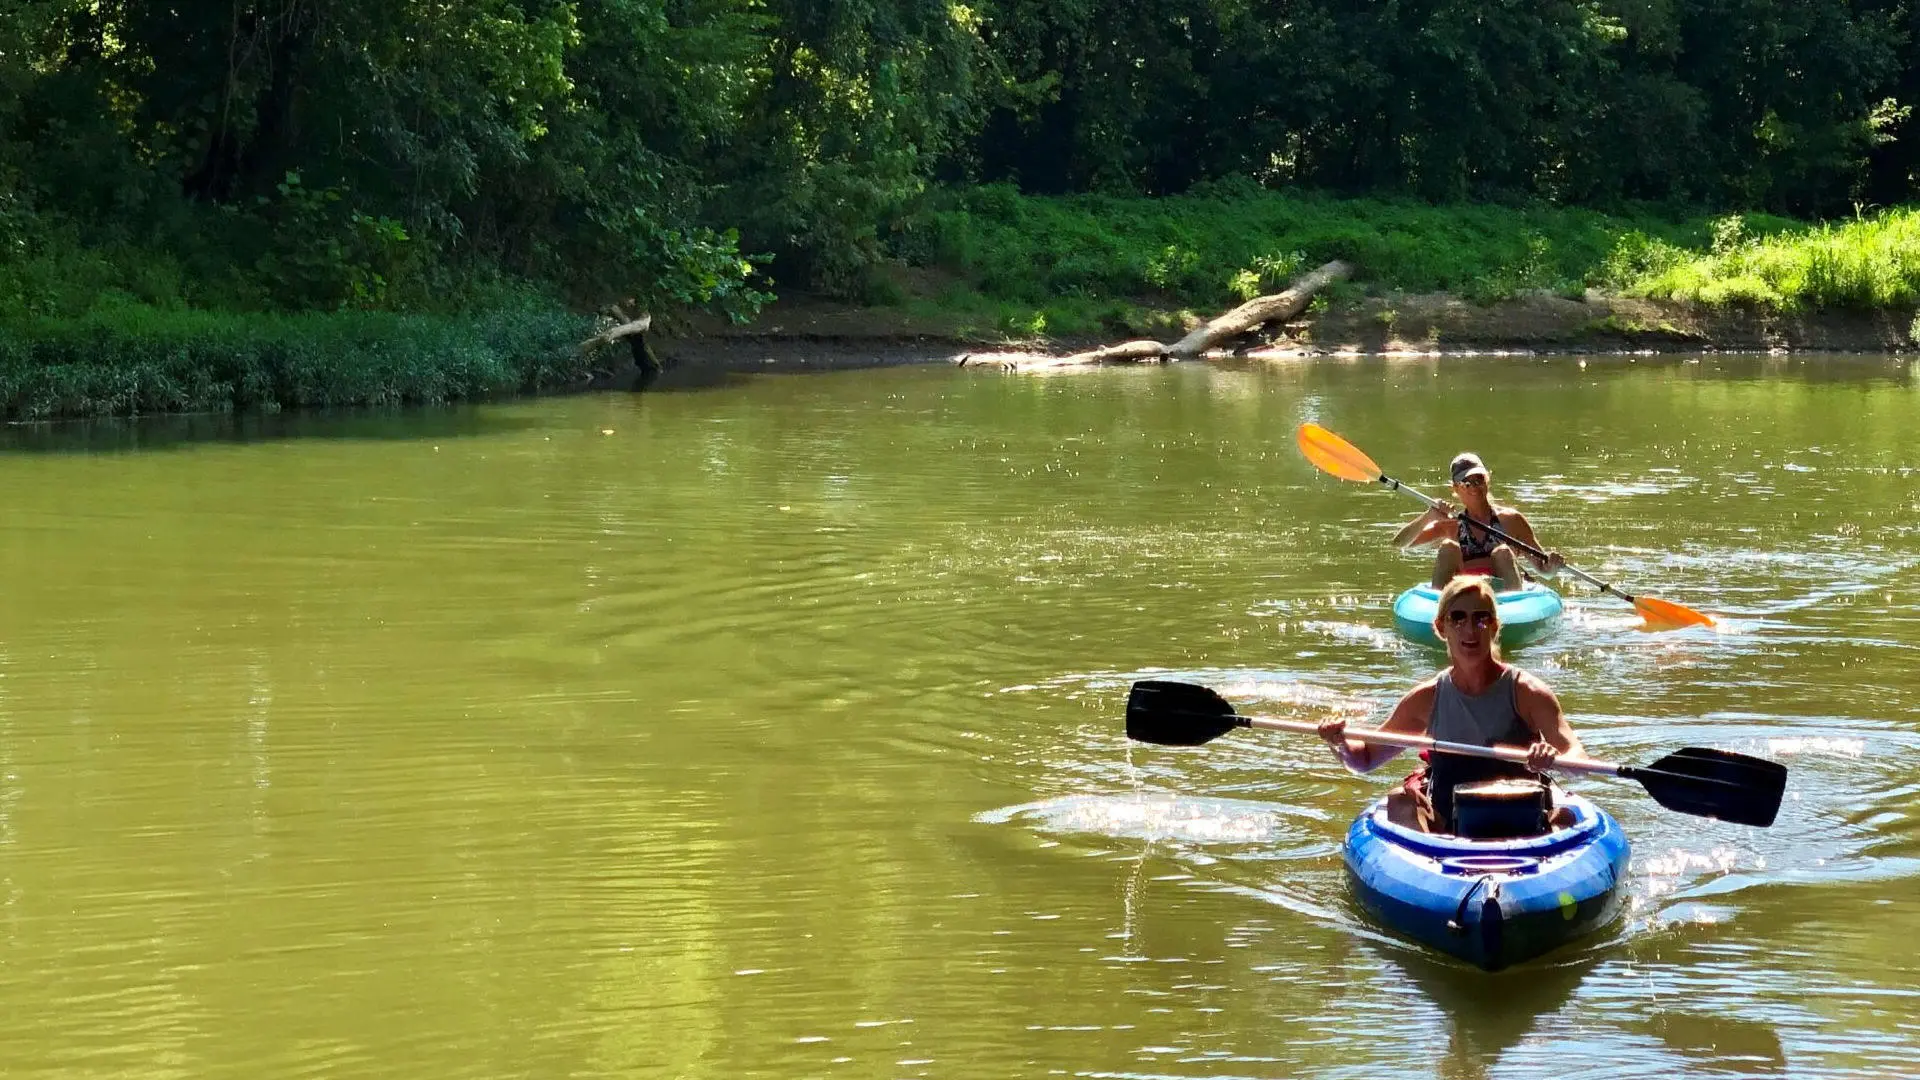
x: 1527, y: 683
x: 1423, y: 693
x: 1415, y: 708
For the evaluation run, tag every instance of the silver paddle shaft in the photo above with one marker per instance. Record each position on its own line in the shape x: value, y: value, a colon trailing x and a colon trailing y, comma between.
x: 1502, y: 535
x: 1376, y: 737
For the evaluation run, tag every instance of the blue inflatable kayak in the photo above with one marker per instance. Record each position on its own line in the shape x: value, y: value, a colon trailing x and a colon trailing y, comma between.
x: 1526, y: 615
x: 1492, y: 903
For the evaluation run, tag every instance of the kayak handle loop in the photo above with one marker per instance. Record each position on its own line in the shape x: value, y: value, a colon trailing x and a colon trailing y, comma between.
x: 1491, y: 882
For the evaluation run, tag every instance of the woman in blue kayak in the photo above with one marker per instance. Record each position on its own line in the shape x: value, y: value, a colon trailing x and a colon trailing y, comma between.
x: 1478, y: 699
x: 1468, y: 550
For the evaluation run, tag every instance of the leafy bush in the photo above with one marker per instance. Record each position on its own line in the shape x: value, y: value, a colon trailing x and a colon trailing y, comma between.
x: 141, y: 360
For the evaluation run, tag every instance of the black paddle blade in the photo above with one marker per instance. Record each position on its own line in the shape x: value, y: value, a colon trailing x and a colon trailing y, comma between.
x: 1716, y: 784
x: 1177, y: 714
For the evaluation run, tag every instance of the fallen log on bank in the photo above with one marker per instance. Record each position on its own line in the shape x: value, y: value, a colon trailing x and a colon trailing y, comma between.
x: 631, y: 330
x: 1218, y: 331
x: 623, y: 328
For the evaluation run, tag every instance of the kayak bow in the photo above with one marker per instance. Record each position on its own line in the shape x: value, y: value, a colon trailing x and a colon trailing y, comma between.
x: 1492, y: 903
x: 1526, y: 615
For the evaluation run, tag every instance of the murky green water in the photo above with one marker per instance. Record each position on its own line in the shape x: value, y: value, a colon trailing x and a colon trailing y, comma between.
x: 774, y: 729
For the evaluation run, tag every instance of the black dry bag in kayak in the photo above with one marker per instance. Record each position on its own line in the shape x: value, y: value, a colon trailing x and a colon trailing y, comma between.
x: 1500, y: 809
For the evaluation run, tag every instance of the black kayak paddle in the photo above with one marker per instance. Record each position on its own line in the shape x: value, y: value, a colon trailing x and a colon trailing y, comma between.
x: 1706, y: 783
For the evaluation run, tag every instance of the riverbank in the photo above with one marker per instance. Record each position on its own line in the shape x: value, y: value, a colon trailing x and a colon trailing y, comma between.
x: 810, y: 333
x: 991, y: 270
x: 141, y: 360
x: 144, y: 362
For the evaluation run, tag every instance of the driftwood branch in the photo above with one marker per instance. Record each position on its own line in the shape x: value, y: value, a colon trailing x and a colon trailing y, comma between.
x: 1259, y: 311
x: 1216, y: 332
x: 633, y: 331
x: 622, y: 329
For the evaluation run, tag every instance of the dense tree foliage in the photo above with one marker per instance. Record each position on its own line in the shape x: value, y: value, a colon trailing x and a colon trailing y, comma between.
x: 394, y: 153
x: 368, y: 152
x: 1764, y: 104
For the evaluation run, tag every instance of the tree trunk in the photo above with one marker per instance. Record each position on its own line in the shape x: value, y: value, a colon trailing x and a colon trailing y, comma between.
x: 621, y: 330
x: 1259, y: 311
x: 634, y: 333
x: 1218, y: 331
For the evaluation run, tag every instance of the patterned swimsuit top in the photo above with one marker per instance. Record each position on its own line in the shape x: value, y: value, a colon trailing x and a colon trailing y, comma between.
x: 1477, y: 543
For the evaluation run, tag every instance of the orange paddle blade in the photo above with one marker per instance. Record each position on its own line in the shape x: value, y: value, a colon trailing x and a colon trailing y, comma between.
x: 1332, y: 454
x: 1667, y: 615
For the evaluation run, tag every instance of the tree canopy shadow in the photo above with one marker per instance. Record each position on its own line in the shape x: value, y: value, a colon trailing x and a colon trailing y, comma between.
x: 116, y: 435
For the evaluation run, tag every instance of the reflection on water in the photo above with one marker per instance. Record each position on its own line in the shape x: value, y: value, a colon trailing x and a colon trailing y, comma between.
x: 185, y: 432
x: 1539, y: 1013
x: 1487, y: 1015
x: 1747, y: 1047
x: 775, y: 729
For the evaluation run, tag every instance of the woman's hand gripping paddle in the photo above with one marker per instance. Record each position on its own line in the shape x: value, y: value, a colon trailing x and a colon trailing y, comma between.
x: 1336, y: 456
x: 1706, y: 783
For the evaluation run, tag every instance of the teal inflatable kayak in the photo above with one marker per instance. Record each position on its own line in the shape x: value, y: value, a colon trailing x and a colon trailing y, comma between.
x: 1526, y: 615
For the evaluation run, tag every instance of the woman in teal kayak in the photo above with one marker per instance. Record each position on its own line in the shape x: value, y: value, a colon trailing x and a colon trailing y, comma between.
x: 1465, y: 549
x: 1478, y: 699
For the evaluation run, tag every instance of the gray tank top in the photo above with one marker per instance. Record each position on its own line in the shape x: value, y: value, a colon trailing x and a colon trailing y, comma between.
x: 1485, y: 719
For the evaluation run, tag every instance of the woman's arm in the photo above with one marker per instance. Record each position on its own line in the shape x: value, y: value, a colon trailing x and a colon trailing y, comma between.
x: 1410, y: 716
x: 1426, y: 528
x: 1517, y: 525
x: 1540, y: 710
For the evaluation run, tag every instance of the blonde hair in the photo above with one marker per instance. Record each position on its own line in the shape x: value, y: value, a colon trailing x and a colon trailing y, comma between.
x: 1460, y: 586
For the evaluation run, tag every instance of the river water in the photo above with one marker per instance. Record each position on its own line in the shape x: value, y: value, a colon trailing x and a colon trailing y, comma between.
x: 773, y: 728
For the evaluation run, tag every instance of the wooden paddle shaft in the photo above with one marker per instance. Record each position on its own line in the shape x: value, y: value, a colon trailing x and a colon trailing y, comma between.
x: 1375, y: 736
x: 1500, y: 534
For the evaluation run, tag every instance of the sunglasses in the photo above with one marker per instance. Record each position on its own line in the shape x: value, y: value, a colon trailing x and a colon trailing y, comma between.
x: 1476, y: 480
x: 1481, y: 619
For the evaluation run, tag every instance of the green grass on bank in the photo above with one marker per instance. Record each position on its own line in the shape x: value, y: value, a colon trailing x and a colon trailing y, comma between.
x: 119, y: 330
x: 104, y: 326
x: 1871, y: 262
x: 1092, y: 263
x: 135, y: 359
x: 97, y: 324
